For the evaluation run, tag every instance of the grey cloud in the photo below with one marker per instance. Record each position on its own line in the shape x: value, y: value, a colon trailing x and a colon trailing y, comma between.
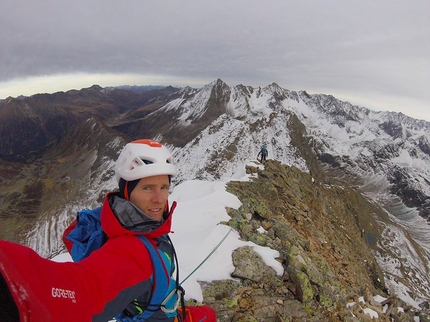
x: 351, y: 45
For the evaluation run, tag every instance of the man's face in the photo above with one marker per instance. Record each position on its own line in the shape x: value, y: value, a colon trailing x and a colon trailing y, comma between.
x: 151, y: 194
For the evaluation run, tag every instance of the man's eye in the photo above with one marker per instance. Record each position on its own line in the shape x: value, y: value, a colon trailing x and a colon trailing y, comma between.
x: 165, y: 188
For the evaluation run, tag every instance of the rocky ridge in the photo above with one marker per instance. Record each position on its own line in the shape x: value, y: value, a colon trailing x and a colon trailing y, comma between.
x: 321, y: 230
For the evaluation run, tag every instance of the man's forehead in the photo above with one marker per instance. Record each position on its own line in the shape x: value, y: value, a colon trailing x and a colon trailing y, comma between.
x: 160, y: 179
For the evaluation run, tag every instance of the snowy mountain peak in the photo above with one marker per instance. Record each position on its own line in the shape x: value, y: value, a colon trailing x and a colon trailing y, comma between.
x: 215, y: 132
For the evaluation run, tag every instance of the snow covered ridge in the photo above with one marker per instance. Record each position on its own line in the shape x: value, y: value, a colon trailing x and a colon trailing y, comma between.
x: 355, y: 140
x: 224, y: 126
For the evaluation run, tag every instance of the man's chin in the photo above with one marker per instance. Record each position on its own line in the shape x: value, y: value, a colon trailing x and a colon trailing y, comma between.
x: 156, y: 216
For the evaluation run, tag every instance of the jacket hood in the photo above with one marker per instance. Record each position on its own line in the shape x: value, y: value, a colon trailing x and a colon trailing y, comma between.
x: 113, y: 227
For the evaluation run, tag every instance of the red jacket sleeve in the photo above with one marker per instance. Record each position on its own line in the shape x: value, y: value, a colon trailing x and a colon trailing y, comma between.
x: 45, y: 290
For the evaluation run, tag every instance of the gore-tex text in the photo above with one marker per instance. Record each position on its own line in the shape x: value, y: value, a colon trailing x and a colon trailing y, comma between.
x: 66, y: 294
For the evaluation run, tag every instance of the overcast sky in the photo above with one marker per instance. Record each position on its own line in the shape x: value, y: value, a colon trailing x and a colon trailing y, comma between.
x: 371, y: 53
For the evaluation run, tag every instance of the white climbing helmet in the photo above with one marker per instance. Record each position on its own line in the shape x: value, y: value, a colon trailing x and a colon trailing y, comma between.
x: 144, y: 158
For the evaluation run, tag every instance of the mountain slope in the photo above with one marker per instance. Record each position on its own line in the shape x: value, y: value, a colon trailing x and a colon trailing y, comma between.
x: 351, y: 142
x: 29, y: 124
x: 41, y: 196
x: 214, y: 132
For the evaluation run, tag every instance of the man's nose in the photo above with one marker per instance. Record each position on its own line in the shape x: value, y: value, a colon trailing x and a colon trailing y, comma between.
x: 157, y: 196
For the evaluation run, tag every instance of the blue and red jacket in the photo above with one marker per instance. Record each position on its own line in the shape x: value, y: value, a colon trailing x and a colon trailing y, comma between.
x: 95, y: 289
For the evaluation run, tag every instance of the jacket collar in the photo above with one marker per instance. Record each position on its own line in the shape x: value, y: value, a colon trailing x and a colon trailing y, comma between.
x: 127, y: 219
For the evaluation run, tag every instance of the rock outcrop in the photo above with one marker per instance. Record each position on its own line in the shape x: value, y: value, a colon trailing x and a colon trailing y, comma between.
x: 321, y: 231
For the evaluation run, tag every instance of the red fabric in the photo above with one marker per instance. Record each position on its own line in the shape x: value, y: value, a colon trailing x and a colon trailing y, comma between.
x: 45, y: 290
x: 113, y: 228
x: 199, y: 314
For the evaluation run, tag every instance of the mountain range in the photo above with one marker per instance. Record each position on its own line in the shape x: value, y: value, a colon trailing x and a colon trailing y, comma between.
x: 57, y: 154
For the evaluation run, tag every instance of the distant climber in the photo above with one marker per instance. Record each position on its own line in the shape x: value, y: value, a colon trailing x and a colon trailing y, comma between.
x: 263, y: 154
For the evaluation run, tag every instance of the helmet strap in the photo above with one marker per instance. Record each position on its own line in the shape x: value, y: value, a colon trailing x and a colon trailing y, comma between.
x: 126, y: 196
x: 126, y: 187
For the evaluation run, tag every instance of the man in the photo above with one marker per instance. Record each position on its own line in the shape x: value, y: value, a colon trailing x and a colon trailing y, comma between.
x: 117, y: 280
x: 264, y: 154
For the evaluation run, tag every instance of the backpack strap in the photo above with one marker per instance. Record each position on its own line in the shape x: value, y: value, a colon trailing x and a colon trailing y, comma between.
x: 160, y: 283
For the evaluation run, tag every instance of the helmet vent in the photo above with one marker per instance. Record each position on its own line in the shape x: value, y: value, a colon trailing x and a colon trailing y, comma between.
x: 135, y: 155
